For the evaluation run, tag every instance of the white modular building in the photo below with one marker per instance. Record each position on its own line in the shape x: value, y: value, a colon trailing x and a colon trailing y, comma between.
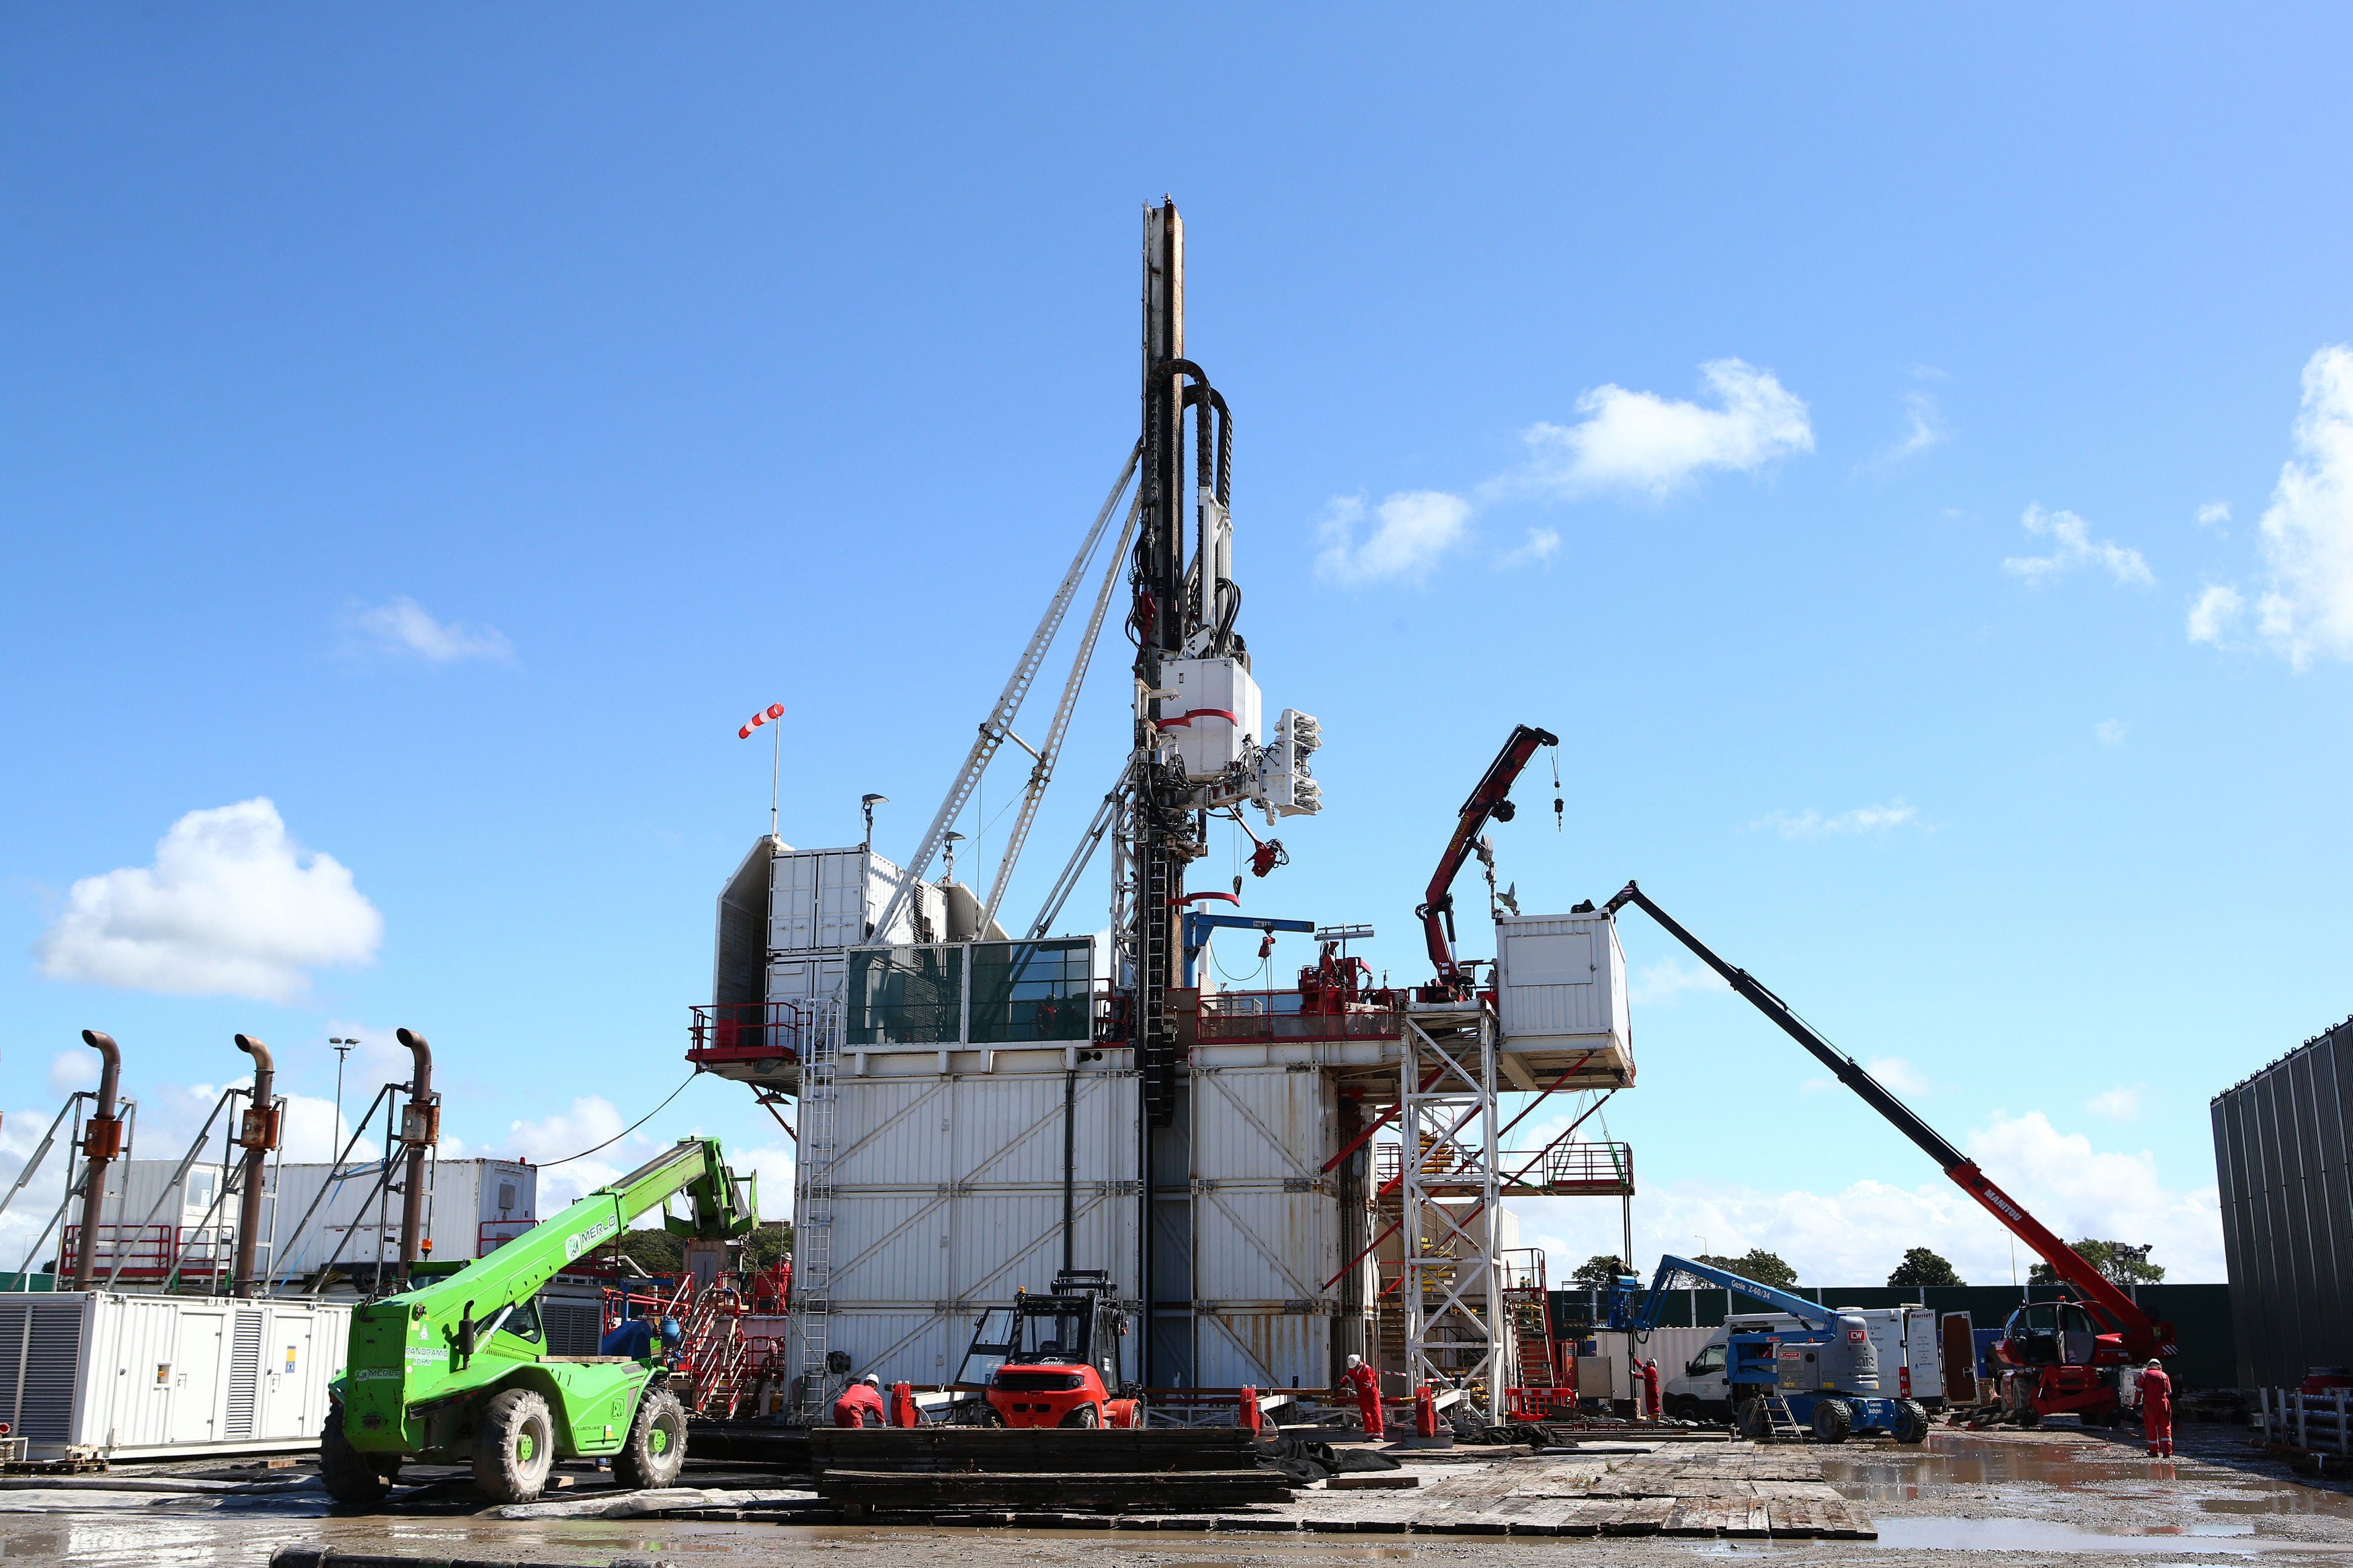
x: 95, y: 1375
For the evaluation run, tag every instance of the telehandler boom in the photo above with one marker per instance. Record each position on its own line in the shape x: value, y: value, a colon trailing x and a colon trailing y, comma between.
x: 458, y: 1368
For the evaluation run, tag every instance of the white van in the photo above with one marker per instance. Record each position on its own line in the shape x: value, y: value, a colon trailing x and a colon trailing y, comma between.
x: 1911, y: 1360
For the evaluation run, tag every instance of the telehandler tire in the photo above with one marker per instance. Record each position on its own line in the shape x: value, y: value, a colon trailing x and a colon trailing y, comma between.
x: 1083, y: 1415
x: 1833, y: 1420
x: 1754, y: 1421
x: 1911, y: 1421
x: 656, y: 1450
x: 514, y: 1445
x: 351, y: 1478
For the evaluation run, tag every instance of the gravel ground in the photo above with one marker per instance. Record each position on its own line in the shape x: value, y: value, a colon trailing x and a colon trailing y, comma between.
x: 2059, y: 1496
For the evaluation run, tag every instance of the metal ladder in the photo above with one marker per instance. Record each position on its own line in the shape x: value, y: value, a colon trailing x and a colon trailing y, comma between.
x: 813, y: 1206
x: 1781, y: 1421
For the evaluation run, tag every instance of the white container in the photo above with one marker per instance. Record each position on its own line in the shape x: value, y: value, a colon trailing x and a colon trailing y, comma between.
x: 1213, y: 720
x: 1560, y: 982
x: 94, y: 1374
x: 825, y: 900
x: 473, y: 1207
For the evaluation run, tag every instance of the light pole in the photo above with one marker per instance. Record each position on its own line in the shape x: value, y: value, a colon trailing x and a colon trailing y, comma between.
x: 868, y: 803
x: 954, y: 839
x: 343, y: 1053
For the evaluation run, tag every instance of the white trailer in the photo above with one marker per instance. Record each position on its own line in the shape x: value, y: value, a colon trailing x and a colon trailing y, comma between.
x: 93, y: 1374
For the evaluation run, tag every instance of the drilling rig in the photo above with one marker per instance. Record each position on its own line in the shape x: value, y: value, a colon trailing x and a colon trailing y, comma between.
x: 1199, y: 747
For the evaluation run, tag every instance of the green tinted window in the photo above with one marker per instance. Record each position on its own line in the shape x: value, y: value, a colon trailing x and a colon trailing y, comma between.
x: 909, y: 995
x: 1031, y: 991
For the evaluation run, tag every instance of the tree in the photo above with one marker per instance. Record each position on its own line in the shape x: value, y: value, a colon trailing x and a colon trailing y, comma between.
x: 1765, y: 1267
x: 767, y: 1243
x: 1922, y: 1266
x: 655, y: 1251
x: 1599, y: 1271
x: 2122, y: 1262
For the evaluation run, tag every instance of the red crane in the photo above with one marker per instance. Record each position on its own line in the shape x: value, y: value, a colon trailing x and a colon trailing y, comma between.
x: 1490, y: 799
x: 2065, y: 1364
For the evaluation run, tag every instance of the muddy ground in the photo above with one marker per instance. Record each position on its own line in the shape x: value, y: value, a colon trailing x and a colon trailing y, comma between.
x: 2061, y: 1495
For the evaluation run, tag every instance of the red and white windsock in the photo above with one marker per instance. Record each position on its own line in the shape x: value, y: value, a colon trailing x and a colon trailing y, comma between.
x: 773, y: 710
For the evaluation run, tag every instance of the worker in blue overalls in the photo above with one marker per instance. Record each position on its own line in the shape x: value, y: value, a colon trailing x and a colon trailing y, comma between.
x: 635, y: 1339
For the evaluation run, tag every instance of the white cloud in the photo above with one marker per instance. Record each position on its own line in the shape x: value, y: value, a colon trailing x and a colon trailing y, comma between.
x: 1812, y: 824
x: 2119, y: 1104
x: 2307, y: 531
x: 2214, y: 615
x: 2075, y: 547
x: 403, y: 626
x: 1667, y: 979
x: 230, y: 907
x: 1541, y: 545
x: 1640, y: 441
x: 1856, y: 1235
x: 1923, y: 427
x: 2213, y: 514
x: 70, y: 1070
x: 2111, y: 731
x: 1414, y: 528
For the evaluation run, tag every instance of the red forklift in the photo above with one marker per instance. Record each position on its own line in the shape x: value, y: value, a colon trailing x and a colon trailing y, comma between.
x: 1049, y: 1374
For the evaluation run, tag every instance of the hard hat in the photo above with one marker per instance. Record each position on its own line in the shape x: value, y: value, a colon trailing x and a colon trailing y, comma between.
x: 2156, y: 1365
x: 872, y: 1381
x: 1356, y: 1361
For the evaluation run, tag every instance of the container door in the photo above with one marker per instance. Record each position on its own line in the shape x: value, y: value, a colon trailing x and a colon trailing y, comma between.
x: 287, y: 1376
x: 792, y: 905
x: 198, y: 1361
x: 1924, y: 1354
x: 841, y: 900
x: 1959, y: 1360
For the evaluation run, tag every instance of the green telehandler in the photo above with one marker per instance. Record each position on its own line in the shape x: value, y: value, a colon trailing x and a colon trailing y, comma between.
x: 457, y: 1368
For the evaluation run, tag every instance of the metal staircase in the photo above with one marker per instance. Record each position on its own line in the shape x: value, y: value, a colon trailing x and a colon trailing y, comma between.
x: 813, y: 1211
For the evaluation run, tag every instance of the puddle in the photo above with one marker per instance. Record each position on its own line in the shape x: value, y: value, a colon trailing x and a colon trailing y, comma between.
x: 2040, y: 1535
x: 1953, y: 1463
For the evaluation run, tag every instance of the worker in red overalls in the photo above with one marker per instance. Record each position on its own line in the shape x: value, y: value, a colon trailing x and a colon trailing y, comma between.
x: 2156, y: 1409
x: 1365, y: 1384
x: 1651, y: 1389
x: 858, y: 1402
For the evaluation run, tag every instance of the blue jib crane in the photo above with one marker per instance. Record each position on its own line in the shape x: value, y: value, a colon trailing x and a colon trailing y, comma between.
x: 1820, y: 1376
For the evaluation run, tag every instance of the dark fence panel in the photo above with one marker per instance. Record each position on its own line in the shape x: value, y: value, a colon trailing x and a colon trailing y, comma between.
x: 2283, y: 1162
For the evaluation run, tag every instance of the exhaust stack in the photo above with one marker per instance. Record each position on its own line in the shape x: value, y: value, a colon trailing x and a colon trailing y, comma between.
x: 420, y: 1128
x: 101, y: 1144
x: 258, y: 1136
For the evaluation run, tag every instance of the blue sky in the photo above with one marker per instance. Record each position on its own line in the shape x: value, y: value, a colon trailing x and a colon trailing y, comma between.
x: 448, y: 428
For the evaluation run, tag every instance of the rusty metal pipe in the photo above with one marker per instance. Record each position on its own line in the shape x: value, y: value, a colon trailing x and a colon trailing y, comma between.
x: 101, y: 1142
x: 418, y: 1131
x: 258, y: 1136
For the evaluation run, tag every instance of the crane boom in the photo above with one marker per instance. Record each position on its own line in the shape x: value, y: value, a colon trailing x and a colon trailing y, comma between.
x: 2143, y: 1335
x: 1490, y: 799
x: 1645, y: 1318
x: 428, y: 1351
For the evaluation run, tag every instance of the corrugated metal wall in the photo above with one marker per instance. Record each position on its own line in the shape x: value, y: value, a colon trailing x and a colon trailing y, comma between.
x: 2281, y: 1156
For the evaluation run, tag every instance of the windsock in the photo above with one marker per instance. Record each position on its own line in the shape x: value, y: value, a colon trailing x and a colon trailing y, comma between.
x: 773, y: 710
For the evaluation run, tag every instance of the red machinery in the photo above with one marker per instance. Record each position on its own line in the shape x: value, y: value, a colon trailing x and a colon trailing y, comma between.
x: 1049, y: 1376
x: 2065, y: 1356
x: 1490, y: 799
